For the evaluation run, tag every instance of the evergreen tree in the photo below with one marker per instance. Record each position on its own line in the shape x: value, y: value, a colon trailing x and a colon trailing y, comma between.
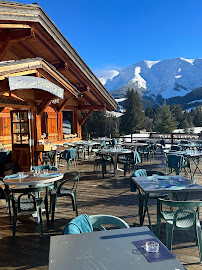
x: 197, y: 121
x: 133, y: 117
x: 165, y: 120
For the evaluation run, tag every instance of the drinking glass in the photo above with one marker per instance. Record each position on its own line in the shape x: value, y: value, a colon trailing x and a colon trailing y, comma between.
x: 155, y: 178
x: 45, y: 171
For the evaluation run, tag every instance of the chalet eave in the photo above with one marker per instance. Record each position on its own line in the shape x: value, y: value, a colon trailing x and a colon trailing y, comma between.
x: 34, y: 14
x: 40, y: 68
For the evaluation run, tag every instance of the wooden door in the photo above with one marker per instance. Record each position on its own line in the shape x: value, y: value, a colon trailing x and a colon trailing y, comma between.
x: 20, y: 139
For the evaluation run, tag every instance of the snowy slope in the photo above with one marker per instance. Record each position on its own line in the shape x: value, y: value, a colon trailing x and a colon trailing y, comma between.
x: 168, y: 78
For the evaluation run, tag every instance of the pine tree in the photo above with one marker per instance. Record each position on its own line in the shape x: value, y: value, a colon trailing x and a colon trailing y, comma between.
x: 133, y: 117
x: 165, y: 120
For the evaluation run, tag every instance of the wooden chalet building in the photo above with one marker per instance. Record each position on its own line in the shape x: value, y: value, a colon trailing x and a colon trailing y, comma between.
x: 41, y: 75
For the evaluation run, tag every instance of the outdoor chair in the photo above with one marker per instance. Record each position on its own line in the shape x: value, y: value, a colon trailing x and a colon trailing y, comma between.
x: 85, y: 223
x: 48, y: 157
x: 184, y: 215
x: 177, y: 163
x: 68, y: 155
x: 144, y: 152
x: 131, y: 159
x: 142, y: 196
x: 101, y: 161
x: 27, y: 202
x: 82, y: 149
x: 64, y: 190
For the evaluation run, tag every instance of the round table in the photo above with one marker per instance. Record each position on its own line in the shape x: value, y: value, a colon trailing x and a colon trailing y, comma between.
x: 115, y: 153
x: 33, y: 181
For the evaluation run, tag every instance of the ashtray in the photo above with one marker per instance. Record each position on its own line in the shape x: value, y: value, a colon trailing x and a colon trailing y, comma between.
x: 152, y: 246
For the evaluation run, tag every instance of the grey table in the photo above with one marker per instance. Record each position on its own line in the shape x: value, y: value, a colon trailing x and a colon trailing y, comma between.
x: 165, y: 184
x: 104, y: 250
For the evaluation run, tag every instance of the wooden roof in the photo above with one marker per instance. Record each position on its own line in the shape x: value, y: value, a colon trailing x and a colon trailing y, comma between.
x: 27, y: 32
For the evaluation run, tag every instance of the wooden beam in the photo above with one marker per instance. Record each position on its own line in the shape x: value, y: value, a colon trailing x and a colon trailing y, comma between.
x: 61, y: 106
x: 16, y: 35
x: 43, y: 106
x: 14, y: 25
x: 30, y: 49
x: 4, y: 48
x: 85, y: 117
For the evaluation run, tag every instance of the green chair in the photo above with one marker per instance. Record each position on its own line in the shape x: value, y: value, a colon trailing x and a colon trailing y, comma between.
x: 85, y: 223
x: 177, y: 163
x: 131, y: 159
x: 64, y: 190
x: 28, y: 202
x: 98, y: 221
x: 101, y: 161
x: 183, y: 216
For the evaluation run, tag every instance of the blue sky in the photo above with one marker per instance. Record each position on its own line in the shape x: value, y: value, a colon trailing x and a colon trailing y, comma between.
x: 114, y: 34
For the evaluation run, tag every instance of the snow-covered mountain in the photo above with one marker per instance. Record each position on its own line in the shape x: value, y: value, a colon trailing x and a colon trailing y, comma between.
x: 153, y: 79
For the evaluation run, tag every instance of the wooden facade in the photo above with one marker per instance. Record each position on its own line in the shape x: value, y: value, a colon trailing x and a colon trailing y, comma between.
x: 41, y: 75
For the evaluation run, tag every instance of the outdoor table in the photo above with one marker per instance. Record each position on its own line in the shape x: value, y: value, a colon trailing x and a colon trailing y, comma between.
x: 115, y: 152
x: 134, y: 144
x: 30, y: 180
x: 110, y: 249
x: 165, y: 184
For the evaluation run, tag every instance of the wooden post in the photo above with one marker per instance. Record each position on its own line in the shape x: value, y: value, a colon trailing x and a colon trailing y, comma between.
x: 131, y: 137
x: 172, y: 138
x: 76, y: 123
x: 60, y: 126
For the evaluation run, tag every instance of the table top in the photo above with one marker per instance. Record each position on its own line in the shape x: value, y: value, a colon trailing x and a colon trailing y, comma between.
x: 30, y: 179
x: 135, y: 144
x: 116, y: 151
x: 187, y: 153
x: 102, y: 250
x: 167, y: 184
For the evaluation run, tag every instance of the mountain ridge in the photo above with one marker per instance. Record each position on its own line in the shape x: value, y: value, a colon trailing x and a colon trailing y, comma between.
x: 157, y: 80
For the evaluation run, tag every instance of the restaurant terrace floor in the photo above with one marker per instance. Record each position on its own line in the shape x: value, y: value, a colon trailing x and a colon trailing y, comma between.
x: 95, y: 195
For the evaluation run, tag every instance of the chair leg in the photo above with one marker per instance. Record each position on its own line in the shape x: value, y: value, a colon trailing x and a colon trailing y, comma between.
x: 169, y: 236
x: 39, y: 216
x: 158, y: 227
x: 53, y: 208
x: 15, y: 217
x: 199, y: 239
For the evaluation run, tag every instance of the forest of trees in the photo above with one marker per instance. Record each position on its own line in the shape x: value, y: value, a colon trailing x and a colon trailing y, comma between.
x: 163, y: 119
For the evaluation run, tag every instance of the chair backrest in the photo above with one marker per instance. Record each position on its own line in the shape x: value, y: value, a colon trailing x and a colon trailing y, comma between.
x: 46, y: 166
x: 174, y: 161
x: 80, y: 224
x: 186, y: 214
x: 140, y: 172
x: 69, y: 177
x: 98, y: 220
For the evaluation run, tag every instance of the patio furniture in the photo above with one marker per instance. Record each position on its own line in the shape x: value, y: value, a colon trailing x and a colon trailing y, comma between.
x: 98, y: 221
x: 27, y: 201
x: 68, y: 155
x: 101, y: 161
x: 143, y: 197
x: 176, y: 163
x: 64, y: 190
x: 165, y: 184
x: 184, y: 215
x: 85, y: 223
x: 128, y: 160
x: 175, y: 148
x: 29, y: 181
x: 110, y: 249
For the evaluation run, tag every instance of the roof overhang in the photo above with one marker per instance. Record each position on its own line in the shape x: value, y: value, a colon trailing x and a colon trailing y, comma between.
x: 37, y: 26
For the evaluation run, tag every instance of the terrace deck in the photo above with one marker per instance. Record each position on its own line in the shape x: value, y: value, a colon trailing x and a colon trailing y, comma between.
x: 95, y: 196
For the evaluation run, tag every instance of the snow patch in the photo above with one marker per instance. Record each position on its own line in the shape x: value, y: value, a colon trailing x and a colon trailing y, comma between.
x: 179, y: 69
x: 149, y: 64
x: 191, y: 61
x: 198, y: 100
x: 119, y: 99
x: 178, y: 76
